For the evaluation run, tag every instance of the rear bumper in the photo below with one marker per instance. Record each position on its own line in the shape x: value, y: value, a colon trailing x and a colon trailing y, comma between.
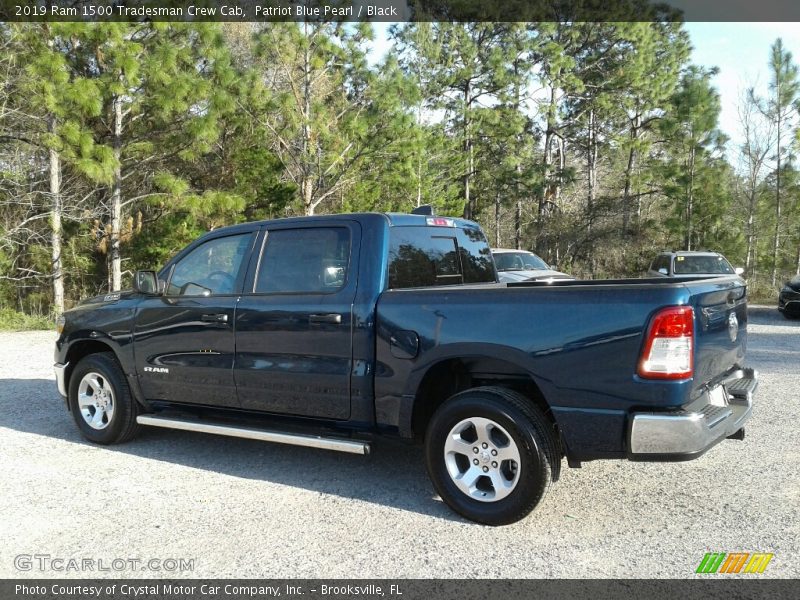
x: 791, y: 307
x: 688, y: 434
x: 60, y: 370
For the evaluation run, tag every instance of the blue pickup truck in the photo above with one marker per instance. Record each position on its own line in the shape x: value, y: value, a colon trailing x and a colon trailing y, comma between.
x: 327, y: 331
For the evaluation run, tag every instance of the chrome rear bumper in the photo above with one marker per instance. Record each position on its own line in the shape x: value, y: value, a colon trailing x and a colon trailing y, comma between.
x: 686, y: 435
x: 60, y: 370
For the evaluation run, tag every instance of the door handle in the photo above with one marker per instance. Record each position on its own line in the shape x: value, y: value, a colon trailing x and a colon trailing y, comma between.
x: 327, y: 318
x: 218, y: 318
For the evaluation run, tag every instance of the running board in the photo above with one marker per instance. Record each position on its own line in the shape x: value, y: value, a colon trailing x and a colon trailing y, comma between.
x: 310, y: 441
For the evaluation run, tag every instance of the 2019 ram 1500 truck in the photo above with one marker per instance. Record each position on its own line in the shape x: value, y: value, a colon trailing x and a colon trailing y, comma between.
x: 322, y: 331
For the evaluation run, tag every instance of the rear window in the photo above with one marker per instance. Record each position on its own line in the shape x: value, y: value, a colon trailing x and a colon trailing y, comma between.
x: 427, y: 256
x: 688, y: 265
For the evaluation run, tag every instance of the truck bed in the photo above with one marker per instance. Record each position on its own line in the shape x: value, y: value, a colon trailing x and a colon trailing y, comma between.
x: 578, y: 340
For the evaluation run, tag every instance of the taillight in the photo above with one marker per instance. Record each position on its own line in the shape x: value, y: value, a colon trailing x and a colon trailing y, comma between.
x: 669, y: 345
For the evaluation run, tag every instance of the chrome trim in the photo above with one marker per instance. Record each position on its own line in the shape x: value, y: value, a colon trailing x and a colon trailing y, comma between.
x: 309, y: 441
x: 60, y: 370
x: 689, y: 433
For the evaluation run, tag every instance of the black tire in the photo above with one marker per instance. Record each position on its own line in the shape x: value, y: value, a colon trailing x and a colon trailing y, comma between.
x: 531, y: 432
x: 790, y: 317
x: 122, y: 425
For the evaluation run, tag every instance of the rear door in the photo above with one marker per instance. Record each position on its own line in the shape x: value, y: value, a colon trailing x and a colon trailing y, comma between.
x: 294, y: 324
x: 183, y: 340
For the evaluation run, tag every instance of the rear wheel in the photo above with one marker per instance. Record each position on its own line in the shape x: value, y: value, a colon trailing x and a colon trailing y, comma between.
x: 491, y: 455
x: 101, y: 402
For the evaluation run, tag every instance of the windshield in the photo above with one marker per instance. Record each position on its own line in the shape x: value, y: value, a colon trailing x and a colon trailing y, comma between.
x: 688, y: 265
x: 519, y: 261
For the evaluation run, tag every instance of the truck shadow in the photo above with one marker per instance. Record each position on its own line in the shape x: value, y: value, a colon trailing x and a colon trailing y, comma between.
x: 393, y: 475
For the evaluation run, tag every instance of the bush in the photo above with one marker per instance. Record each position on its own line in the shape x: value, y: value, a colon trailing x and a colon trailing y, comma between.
x: 762, y: 292
x: 11, y: 320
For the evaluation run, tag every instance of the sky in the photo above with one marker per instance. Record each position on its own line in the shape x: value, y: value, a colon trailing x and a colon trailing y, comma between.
x: 739, y: 50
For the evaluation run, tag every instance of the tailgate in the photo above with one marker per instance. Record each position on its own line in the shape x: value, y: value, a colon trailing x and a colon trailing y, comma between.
x: 720, y: 307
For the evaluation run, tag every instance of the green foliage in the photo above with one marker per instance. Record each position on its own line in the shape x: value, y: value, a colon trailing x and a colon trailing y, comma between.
x: 12, y: 320
x: 596, y: 143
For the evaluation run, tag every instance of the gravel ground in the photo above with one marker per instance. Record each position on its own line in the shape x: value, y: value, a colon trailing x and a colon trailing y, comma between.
x: 243, y: 508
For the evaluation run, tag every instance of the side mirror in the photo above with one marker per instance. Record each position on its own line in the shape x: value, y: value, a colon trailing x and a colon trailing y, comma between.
x: 663, y: 271
x: 739, y: 271
x: 146, y: 282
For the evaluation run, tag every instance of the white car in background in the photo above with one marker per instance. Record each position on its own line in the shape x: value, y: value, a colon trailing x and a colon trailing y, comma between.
x: 691, y: 263
x: 520, y: 265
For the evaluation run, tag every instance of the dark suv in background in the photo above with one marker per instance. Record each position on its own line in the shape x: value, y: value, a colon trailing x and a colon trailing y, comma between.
x: 686, y: 263
x: 789, y: 298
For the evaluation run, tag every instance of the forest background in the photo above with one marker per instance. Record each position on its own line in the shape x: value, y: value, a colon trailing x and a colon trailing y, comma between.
x: 595, y: 145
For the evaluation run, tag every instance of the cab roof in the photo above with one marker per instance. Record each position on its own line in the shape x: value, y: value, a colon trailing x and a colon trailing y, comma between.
x: 393, y: 219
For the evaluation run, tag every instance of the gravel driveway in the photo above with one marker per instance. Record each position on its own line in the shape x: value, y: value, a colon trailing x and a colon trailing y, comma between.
x: 242, y: 508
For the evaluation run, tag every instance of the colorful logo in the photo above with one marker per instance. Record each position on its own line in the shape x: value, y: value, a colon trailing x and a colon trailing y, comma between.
x: 734, y: 562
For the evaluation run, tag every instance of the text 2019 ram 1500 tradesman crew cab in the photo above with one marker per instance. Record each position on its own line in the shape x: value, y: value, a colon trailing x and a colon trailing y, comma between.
x: 322, y: 331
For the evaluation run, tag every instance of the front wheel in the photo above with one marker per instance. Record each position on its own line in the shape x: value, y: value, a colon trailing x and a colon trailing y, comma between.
x: 491, y: 455
x: 101, y: 402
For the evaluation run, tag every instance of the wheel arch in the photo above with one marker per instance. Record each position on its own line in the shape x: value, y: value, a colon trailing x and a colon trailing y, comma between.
x: 80, y: 348
x: 464, y: 369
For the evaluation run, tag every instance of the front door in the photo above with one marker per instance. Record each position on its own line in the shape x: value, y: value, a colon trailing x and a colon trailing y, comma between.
x: 293, y: 323
x: 183, y: 340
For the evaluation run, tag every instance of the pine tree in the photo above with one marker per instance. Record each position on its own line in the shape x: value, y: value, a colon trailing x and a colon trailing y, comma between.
x: 696, y: 145
x: 58, y: 103
x: 164, y: 88
x: 317, y: 100
x: 465, y: 65
x: 652, y: 74
x: 781, y: 107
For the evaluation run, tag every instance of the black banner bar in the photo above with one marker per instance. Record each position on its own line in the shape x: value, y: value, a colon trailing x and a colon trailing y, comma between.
x: 399, y: 10
x: 714, y: 586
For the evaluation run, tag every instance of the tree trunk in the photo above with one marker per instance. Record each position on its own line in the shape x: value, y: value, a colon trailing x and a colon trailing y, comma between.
x: 307, y: 181
x: 749, y: 261
x: 546, y: 173
x: 690, y: 200
x: 797, y: 270
x: 55, y: 226
x: 497, y: 220
x: 469, y: 203
x: 116, y: 200
x: 777, y: 237
x: 627, y: 204
x: 419, y: 158
x: 591, y: 176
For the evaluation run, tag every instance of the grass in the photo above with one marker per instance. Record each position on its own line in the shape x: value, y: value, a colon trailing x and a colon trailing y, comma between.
x: 12, y: 320
x: 762, y: 293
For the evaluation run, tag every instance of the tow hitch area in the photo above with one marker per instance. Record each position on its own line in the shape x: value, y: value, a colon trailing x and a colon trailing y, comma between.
x: 739, y: 435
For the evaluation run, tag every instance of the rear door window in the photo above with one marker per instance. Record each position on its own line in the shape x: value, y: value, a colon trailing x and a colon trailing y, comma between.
x: 429, y: 256
x: 310, y: 260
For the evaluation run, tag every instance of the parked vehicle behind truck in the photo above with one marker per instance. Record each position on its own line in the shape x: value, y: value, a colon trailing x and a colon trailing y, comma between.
x: 521, y: 265
x: 327, y: 331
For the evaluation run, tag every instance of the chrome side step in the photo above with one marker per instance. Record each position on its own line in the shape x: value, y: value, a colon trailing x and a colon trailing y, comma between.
x: 310, y: 441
